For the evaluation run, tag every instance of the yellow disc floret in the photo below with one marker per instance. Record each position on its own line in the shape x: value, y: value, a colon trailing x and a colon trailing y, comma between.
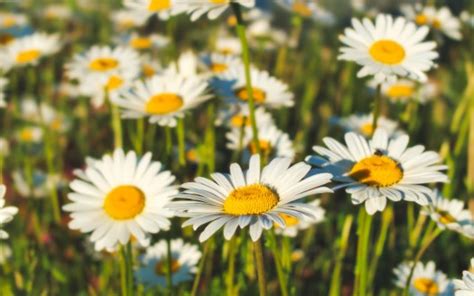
x: 377, y: 170
x: 253, y: 199
x: 124, y: 202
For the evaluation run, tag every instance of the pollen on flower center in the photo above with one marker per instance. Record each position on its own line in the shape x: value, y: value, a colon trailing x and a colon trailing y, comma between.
x: 445, y: 217
x: 400, y: 91
x: 164, y: 103
x: 426, y: 286
x: 387, y: 52
x: 27, y: 56
x: 259, y: 95
x: 265, y: 147
x: 157, y: 5
x: 218, y: 68
x: 103, y: 64
x: 124, y: 202
x: 253, y: 199
x: 161, y: 267
x: 367, y: 129
x: 421, y: 19
x: 377, y: 170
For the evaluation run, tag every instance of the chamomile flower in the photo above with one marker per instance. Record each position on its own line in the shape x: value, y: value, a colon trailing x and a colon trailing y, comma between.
x: 404, y: 90
x: 126, y: 19
x: 163, y: 98
x: 218, y: 65
x: 308, y: 9
x: 147, y: 42
x: 261, y: 35
x: 161, y: 8
x: 149, y: 66
x: 268, y: 91
x: 294, y: 225
x: 272, y: 141
x: 253, y: 199
x: 213, y: 8
x: 57, y: 12
x: 186, y: 65
x: 3, y: 84
x: 465, y: 287
x: 228, y: 46
x: 6, y: 213
x: 29, y: 135
x: 426, y: 280
x: 439, y: 19
x: 30, y: 49
x: 9, y: 20
x: 450, y: 214
x: 363, y: 124
x: 389, y: 48
x: 121, y: 196
x: 372, y: 171
x: 238, y: 115
x: 184, y: 260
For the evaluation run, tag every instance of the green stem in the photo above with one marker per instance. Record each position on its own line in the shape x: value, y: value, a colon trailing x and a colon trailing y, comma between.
x: 336, y: 280
x: 282, y: 277
x: 116, y: 126
x: 181, y: 144
x: 169, y: 266
x: 361, y: 274
x: 377, y: 107
x: 51, y: 171
x: 139, y: 136
x: 123, y: 271
x: 262, y: 283
x: 248, y: 79
x: 231, y: 266
x: 197, y: 278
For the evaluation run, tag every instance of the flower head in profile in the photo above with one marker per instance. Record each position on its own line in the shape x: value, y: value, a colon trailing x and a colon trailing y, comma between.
x: 219, y: 65
x: 373, y: 170
x: 426, y: 280
x: 465, y: 287
x: 154, y: 263
x: 294, y: 225
x: 388, y: 48
x: 228, y: 46
x: 163, y: 9
x: 126, y: 19
x: 363, y: 124
x: 213, y: 8
x: 6, y: 213
x: 29, y: 50
x: 119, y: 197
x: 308, y: 9
x: 450, y: 214
x: 9, y: 20
x: 29, y: 134
x: 255, y: 198
x: 163, y: 98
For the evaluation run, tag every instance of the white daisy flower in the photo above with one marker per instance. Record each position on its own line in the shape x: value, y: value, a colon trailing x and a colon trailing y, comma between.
x: 29, y: 134
x: 30, y: 49
x: 213, y: 8
x: 262, y: 35
x: 439, y: 19
x: 404, y: 90
x: 37, y: 185
x: 184, y: 259
x: 57, y: 12
x: 161, y: 8
x: 372, y: 171
x: 146, y: 42
x: 308, y: 9
x: 219, y: 65
x: 255, y: 198
x: 9, y: 20
x: 465, y: 287
x: 273, y: 142
x: 3, y: 84
x: 237, y: 115
x: 186, y: 65
x: 268, y: 91
x: 163, y: 98
x: 150, y: 66
x: 6, y: 213
x: 228, y: 46
x: 389, y: 48
x: 125, y: 19
x: 121, y: 196
x: 450, y: 214
x: 363, y: 124
x: 426, y: 280
x: 294, y: 225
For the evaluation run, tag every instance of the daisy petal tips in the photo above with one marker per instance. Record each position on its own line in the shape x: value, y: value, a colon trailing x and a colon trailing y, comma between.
x: 256, y: 198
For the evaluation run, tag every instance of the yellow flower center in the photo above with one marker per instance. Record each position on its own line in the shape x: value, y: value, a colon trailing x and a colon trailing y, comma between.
x: 26, y: 135
x: 219, y: 2
x: 6, y: 38
x: 387, y: 52
x: 124, y: 202
x: 114, y: 83
x: 437, y: 24
x: 218, y: 68
x: 367, y: 129
x: 56, y: 124
x: 289, y: 220
x: 400, y: 91
x: 163, y: 103
x: 239, y: 120
x: 28, y: 56
x: 253, y: 199
x: 158, y: 5
x: 265, y: 147
x: 141, y: 42
x: 302, y: 9
x: 426, y: 286
x: 377, y: 170
x: 421, y: 19
x: 259, y: 95
x: 232, y: 21
x: 445, y: 217
x: 148, y: 70
x: 226, y: 51
x: 103, y: 64
x: 192, y: 155
x: 161, y: 268
x: 9, y: 21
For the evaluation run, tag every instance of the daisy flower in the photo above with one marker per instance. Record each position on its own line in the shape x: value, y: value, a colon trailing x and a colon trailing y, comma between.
x: 219, y: 65
x: 308, y: 9
x: 9, y: 20
x: 184, y: 258
x: 57, y: 12
x: 3, y: 84
x: 268, y: 91
x: 228, y: 46
x: 213, y: 8
x: 164, y: 9
x: 362, y: 124
x: 253, y: 199
x: 273, y: 142
x: 426, y: 280
x: 439, y: 19
x: 403, y: 90
x: 186, y: 65
x: 41, y: 183
x: 450, y: 214
x: 29, y: 135
x: 121, y: 196
x: 238, y: 115
x: 6, y: 213
x: 372, y: 171
x: 389, y: 48
x: 30, y: 49
x: 149, y: 66
x: 294, y: 225
x: 163, y: 98
x: 146, y: 42
x: 125, y: 19
x: 261, y: 35
x: 465, y: 287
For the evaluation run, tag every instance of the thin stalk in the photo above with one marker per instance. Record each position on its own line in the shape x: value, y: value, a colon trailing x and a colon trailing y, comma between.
x: 231, y: 265
x: 240, y: 28
x: 336, y: 280
x: 169, y: 266
x: 181, y: 145
x: 262, y: 283
x: 282, y: 277
x: 363, y: 231
x: 129, y: 268
x: 197, y: 278
x: 377, y: 107
x: 139, y: 136
x: 116, y: 125
x: 53, y: 192
x: 123, y: 271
